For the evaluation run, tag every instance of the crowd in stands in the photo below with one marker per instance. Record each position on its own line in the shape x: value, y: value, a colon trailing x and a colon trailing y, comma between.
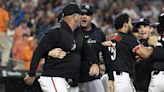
x: 29, y: 19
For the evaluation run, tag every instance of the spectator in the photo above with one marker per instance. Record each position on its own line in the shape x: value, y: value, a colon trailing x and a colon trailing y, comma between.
x: 4, y: 40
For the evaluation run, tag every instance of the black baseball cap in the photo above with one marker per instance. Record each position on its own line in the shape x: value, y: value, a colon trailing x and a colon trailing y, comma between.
x: 70, y: 9
x: 143, y: 21
x: 134, y: 23
x: 87, y: 9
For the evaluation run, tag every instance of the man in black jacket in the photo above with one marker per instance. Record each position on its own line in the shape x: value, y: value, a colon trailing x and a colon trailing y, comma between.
x: 63, y: 71
x: 94, y: 37
x: 143, y: 67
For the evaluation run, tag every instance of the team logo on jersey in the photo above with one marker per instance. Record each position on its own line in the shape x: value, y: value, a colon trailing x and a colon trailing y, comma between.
x: 87, y: 36
x: 91, y: 41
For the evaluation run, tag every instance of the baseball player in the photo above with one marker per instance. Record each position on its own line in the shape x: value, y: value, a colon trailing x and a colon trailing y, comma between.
x: 60, y: 74
x: 123, y: 48
x: 123, y: 61
x: 156, y: 83
x: 157, y: 75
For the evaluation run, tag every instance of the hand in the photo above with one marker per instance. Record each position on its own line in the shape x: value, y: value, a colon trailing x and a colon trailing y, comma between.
x: 94, y: 70
x: 62, y: 54
x: 111, y: 86
x: 57, y: 53
x: 138, y: 59
x: 108, y: 43
x: 153, y: 40
x: 144, y: 52
x: 29, y: 80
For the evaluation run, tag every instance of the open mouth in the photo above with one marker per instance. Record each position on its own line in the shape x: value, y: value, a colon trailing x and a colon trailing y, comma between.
x: 143, y: 33
x: 84, y: 21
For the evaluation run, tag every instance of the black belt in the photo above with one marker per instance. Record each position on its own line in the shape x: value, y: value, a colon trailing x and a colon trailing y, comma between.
x: 121, y: 72
x: 156, y: 72
x: 71, y: 82
x: 118, y: 73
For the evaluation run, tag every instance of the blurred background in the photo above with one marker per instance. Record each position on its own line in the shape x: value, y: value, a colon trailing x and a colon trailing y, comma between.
x: 29, y: 19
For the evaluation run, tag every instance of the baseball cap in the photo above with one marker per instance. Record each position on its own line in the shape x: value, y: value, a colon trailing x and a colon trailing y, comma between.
x: 143, y: 21
x: 87, y: 9
x: 134, y: 23
x: 70, y: 9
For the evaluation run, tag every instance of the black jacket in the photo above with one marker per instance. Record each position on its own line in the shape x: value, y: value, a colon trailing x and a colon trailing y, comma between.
x: 94, y: 39
x: 72, y: 42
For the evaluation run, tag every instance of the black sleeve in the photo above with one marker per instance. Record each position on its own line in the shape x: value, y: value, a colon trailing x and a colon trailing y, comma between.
x: 88, y: 54
x: 45, y: 44
x: 108, y: 63
x: 158, y: 53
x: 107, y: 60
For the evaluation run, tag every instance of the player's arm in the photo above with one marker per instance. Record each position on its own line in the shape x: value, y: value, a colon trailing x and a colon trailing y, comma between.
x: 107, y: 56
x: 57, y: 53
x: 142, y: 51
x: 108, y: 63
x: 152, y: 42
x: 110, y: 53
x: 109, y: 70
x: 45, y: 44
x: 146, y: 52
x: 158, y: 52
x: 106, y: 53
x: 109, y: 40
x: 111, y: 86
x: 107, y: 43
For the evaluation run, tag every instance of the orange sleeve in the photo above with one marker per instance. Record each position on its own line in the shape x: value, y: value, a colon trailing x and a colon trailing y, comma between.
x: 15, y: 49
x: 6, y: 17
x: 27, y: 54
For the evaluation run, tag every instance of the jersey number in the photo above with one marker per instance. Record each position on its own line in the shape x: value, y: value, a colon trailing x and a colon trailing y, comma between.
x: 113, y: 52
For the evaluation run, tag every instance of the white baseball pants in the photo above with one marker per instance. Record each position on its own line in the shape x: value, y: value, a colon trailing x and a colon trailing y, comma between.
x: 55, y: 84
